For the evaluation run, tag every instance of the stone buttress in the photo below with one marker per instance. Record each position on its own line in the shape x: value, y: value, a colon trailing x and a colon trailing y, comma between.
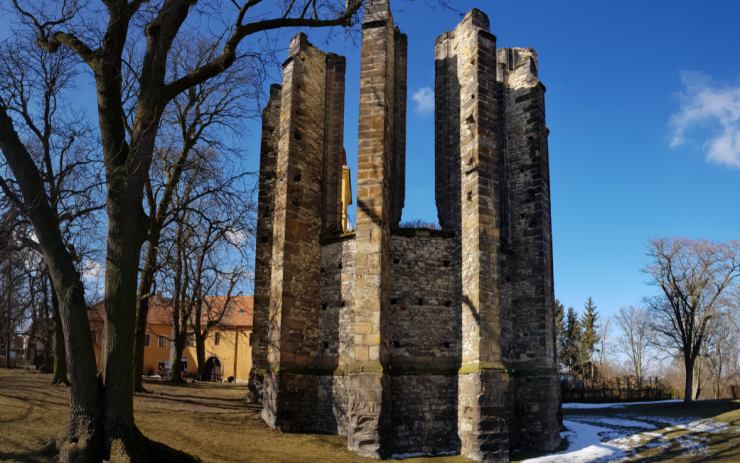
x: 305, y: 165
x: 378, y: 196
x: 263, y: 247
x: 468, y: 70
x: 535, y: 386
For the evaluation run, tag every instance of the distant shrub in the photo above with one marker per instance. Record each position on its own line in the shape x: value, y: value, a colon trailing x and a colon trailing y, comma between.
x: 418, y: 223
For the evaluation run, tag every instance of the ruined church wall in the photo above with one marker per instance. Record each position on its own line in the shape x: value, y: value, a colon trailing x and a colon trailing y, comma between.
x: 336, y: 323
x: 424, y: 342
x: 423, y: 339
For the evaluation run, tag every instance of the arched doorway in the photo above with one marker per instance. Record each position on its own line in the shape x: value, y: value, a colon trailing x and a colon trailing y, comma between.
x: 213, y: 370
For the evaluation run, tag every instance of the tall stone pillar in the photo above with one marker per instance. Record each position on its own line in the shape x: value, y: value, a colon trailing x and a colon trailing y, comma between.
x: 469, y: 67
x: 398, y: 168
x: 263, y: 248
x: 369, y: 384
x: 447, y: 133
x: 334, y: 148
x: 290, y: 395
x: 535, y: 384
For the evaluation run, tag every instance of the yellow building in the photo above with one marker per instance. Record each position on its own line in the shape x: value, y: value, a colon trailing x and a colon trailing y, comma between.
x: 228, y: 352
x: 346, y: 191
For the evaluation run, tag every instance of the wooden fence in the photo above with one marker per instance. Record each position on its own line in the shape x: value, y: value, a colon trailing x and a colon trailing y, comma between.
x: 616, y: 390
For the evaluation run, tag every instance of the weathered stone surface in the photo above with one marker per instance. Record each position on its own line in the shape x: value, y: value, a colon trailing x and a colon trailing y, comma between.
x: 529, y: 256
x: 263, y: 248
x: 293, y: 334
x: 334, y: 143
x: 369, y: 401
x: 410, y: 340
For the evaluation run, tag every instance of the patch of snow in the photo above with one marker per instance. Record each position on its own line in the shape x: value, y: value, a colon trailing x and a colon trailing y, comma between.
x: 588, y: 406
x: 596, y: 439
x: 706, y: 425
x: 625, y: 423
x: 584, y: 446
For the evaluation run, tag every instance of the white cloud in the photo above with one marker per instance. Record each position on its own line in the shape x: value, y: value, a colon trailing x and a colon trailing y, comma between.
x: 705, y: 103
x: 236, y: 237
x: 424, y: 99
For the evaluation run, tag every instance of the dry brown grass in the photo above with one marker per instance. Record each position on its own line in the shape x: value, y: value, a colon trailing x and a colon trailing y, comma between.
x: 214, y: 423
x: 211, y: 421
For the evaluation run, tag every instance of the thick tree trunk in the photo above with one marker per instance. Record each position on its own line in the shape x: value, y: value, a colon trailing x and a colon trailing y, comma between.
x: 689, y: 384
x: 60, y: 355
x: 83, y: 438
x: 124, y: 245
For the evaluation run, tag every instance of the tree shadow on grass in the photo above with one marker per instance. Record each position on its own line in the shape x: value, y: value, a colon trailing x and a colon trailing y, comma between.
x: 46, y: 453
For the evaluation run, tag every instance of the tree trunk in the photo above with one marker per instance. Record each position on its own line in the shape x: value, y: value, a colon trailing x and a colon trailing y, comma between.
x: 83, y: 438
x: 81, y: 442
x: 124, y: 245
x: 60, y: 360
x: 141, y: 318
x: 200, y: 351
x: 699, y: 370
x: 689, y: 384
x: 146, y: 284
x: 179, y: 344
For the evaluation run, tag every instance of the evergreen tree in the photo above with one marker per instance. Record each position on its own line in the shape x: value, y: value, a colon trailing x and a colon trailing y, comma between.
x: 589, y: 334
x: 571, y: 340
x: 559, y: 315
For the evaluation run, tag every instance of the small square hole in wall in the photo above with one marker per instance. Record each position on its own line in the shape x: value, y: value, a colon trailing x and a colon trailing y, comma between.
x: 447, y: 344
x: 396, y: 260
x: 344, y: 303
x: 296, y: 202
x: 446, y: 263
x: 420, y: 301
x: 324, y: 306
x: 326, y: 345
x: 297, y: 177
x: 298, y: 135
x: 396, y: 344
x: 340, y: 265
x: 322, y: 269
x: 448, y: 303
x: 394, y: 301
x: 265, y: 239
x: 470, y: 195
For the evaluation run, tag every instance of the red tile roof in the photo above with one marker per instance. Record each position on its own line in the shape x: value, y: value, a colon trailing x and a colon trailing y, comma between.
x: 238, y: 313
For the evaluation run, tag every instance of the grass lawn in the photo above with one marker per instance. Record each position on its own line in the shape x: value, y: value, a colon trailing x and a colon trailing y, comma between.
x: 213, y: 422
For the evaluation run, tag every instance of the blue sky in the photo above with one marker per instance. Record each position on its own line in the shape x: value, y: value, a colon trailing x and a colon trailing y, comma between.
x: 643, y: 105
x: 624, y: 81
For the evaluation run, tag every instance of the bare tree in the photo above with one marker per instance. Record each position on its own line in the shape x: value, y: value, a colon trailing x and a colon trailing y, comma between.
x: 604, y: 346
x: 636, y: 338
x: 692, y: 275
x: 194, y: 124
x: 208, y: 233
x: 33, y: 83
x: 99, y: 37
x: 721, y: 353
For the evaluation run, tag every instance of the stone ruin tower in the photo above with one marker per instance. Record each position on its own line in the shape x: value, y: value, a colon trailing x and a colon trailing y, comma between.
x: 408, y: 341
